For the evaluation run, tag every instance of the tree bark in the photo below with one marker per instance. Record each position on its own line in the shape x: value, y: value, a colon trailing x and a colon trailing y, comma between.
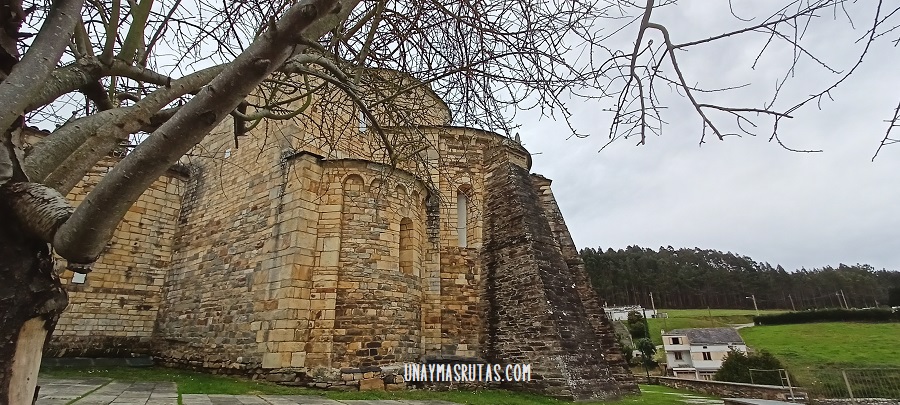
x: 31, y: 295
x: 32, y: 299
x: 62, y: 159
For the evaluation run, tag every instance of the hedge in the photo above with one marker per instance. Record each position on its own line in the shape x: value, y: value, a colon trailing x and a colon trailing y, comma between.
x: 829, y: 315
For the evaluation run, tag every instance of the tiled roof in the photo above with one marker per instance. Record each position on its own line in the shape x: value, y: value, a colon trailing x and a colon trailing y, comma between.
x: 709, y: 335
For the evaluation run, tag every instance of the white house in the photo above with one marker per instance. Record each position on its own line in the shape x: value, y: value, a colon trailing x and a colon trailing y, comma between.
x: 698, y: 353
x: 621, y: 313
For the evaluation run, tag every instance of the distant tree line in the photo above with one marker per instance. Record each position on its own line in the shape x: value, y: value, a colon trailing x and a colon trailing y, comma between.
x: 699, y: 278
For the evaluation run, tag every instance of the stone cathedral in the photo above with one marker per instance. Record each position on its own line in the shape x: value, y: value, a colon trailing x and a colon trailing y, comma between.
x: 306, y: 252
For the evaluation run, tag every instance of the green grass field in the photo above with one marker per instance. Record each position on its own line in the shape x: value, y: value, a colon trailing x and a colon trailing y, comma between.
x: 816, y: 353
x: 833, y: 344
x: 699, y: 318
x: 198, y: 383
x: 813, y: 353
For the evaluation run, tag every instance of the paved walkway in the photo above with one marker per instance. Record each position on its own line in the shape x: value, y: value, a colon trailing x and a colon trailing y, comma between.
x: 102, y: 391
x: 200, y: 399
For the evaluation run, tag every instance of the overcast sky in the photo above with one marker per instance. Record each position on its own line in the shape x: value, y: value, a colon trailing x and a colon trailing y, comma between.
x: 744, y: 195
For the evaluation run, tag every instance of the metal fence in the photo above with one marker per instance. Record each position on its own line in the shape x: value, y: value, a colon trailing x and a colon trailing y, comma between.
x: 824, y: 383
x: 855, y: 383
x: 770, y: 377
x: 773, y: 377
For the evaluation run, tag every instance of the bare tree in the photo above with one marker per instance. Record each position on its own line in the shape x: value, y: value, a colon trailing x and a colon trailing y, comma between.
x: 156, y: 76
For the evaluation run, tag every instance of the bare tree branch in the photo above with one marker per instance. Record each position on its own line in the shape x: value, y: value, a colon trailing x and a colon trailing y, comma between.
x: 887, y: 140
x: 62, y: 161
x: 29, y: 74
x: 81, y: 239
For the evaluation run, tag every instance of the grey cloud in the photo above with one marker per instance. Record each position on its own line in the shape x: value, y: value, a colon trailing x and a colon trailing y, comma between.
x: 744, y: 195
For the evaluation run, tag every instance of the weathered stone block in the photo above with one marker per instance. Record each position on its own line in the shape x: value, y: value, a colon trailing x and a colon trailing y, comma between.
x: 329, y: 258
x: 371, y: 384
x: 298, y: 359
x: 271, y: 360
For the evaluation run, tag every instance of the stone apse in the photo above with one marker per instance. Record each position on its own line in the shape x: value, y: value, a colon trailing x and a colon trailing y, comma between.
x: 299, y: 252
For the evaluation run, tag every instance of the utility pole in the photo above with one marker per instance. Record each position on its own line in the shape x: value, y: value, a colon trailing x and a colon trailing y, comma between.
x: 653, y: 304
x: 793, y: 308
x: 646, y: 324
x: 753, y: 297
x: 645, y: 360
x: 845, y: 299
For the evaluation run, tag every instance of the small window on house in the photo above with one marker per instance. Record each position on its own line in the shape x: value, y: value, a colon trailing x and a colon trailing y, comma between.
x: 707, y: 356
x: 78, y: 278
x: 462, y: 218
x: 676, y: 341
x: 678, y: 356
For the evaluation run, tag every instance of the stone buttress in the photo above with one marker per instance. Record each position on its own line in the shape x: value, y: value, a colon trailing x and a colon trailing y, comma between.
x: 537, y: 313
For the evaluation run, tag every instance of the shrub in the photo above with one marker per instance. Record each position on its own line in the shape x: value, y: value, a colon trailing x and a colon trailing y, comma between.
x: 828, y: 315
x: 627, y: 350
x: 637, y: 330
x: 634, y: 317
x: 636, y: 324
x: 737, y: 365
x: 647, y: 349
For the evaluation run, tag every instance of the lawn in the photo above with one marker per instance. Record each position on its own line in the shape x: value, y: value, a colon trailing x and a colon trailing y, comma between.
x: 816, y: 353
x: 198, y: 383
x: 716, y: 313
x: 699, y: 318
x: 189, y: 382
x: 833, y: 344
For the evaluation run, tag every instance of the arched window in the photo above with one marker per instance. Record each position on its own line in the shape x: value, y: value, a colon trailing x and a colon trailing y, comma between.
x: 407, y: 257
x: 363, y: 121
x: 462, y: 218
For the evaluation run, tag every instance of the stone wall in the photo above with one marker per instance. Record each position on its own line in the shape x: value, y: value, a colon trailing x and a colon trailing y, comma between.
x: 379, y: 293
x: 724, y: 389
x: 536, y: 314
x: 112, y: 313
x: 334, y: 127
x: 238, y: 291
x: 300, y: 253
x: 603, y: 327
x: 460, y: 156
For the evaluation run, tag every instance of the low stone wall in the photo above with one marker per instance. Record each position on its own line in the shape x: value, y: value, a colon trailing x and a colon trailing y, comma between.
x: 857, y: 401
x: 372, y: 378
x: 729, y: 389
x: 98, y: 346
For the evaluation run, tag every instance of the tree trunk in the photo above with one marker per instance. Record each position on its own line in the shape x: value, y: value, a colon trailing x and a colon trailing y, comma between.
x: 31, y: 296
x: 32, y: 299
